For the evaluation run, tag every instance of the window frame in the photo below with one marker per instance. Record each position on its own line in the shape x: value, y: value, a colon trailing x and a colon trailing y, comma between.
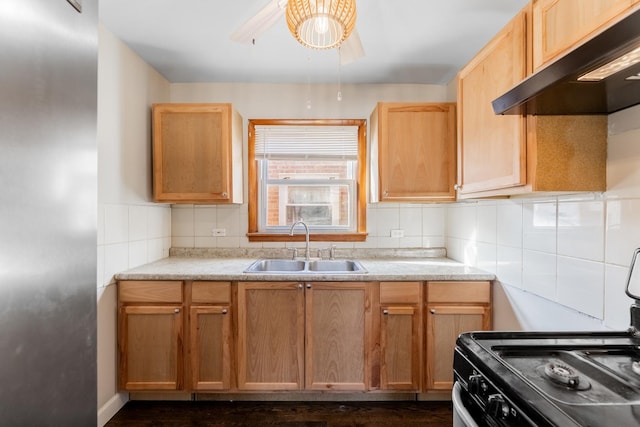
x: 359, y: 235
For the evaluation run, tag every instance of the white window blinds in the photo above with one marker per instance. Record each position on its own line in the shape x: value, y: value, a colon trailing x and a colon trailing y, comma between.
x: 313, y: 142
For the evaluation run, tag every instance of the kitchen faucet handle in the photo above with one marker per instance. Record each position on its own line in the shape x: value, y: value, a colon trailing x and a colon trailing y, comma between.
x: 295, y: 252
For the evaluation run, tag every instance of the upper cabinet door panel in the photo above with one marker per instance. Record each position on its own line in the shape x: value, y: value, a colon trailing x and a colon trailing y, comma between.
x: 415, y: 145
x: 561, y: 25
x: 492, y: 148
x: 194, y: 151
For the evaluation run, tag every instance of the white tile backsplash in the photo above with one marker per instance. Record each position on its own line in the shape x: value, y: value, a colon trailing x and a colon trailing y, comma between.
x: 539, y: 222
x: 539, y: 273
x: 616, y: 301
x: 581, y: 230
x: 581, y: 285
x: 622, y: 230
x: 509, y: 224
x: 487, y: 223
x: 509, y: 265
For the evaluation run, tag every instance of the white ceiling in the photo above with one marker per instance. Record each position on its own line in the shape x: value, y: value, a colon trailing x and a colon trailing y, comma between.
x: 406, y: 41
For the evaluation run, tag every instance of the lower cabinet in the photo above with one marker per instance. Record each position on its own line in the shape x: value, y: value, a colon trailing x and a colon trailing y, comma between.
x: 270, y: 336
x: 150, y: 324
x: 452, y: 308
x: 400, y: 335
x: 288, y: 336
x: 295, y: 336
x: 210, y: 336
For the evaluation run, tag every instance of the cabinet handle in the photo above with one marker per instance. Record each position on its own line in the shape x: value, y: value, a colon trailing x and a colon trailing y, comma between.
x: 432, y: 311
x: 224, y: 311
x: 385, y: 311
x: 176, y: 310
x: 308, y: 285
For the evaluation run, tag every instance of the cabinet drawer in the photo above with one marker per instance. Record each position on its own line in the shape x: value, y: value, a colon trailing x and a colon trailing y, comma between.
x: 399, y: 292
x: 150, y: 291
x: 458, y: 292
x: 211, y: 292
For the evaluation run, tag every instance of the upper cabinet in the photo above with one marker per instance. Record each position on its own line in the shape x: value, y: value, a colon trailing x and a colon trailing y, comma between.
x: 501, y: 155
x: 561, y: 25
x: 413, y: 152
x: 197, y: 153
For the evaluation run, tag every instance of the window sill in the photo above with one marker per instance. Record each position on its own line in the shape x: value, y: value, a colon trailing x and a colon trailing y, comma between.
x: 300, y: 237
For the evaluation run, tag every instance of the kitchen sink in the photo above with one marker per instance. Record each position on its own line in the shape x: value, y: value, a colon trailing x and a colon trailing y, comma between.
x: 341, y: 265
x: 293, y: 266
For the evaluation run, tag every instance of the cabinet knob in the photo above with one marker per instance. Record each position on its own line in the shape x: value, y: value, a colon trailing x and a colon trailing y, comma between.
x: 176, y: 310
x: 385, y: 311
x: 385, y: 193
x: 224, y: 194
x: 224, y: 311
x: 432, y: 311
x: 308, y: 285
x: 300, y: 286
x: 456, y: 187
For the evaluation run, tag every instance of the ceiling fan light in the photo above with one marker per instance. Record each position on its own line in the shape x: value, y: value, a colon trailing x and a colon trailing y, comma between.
x: 321, y: 24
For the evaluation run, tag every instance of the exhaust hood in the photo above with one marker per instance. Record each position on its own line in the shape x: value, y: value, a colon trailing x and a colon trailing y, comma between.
x: 564, y: 87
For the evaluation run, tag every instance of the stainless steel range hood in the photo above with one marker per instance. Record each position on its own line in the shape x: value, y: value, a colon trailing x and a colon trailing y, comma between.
x: 557, y: 90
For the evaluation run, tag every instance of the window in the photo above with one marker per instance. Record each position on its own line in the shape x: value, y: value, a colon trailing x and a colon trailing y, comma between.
x: 312, y: 170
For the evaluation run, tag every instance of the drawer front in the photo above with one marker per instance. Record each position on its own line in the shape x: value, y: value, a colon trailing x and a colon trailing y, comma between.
x: 211, y: 292
x: 400, y: 292
x: 459, y: 292
x: 150, y: 291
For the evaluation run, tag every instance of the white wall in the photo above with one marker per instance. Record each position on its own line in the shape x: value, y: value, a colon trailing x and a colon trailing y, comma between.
x: 561, y: 261
x: 131, y: 230
x: 423, y: 224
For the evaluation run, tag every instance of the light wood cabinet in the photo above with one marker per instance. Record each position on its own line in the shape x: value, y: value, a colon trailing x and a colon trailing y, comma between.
x: 452, y: 308
x: 501, y: 155
x: 559, y: 26
x: 197, y: 153
x: 150, y: 334
x: 400, y: 335
x: 210, y: 336
x: 413, y: 152
x: 338, y: 323
x: 275, y: 319
x: 270, y: 336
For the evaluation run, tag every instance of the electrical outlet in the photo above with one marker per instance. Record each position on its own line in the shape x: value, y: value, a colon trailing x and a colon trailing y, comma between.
x: 219, y: 232
x: 397, y: 233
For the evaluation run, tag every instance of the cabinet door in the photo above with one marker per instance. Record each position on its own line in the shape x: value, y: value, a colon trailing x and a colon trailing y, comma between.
x: 338, y: 336
x: 151, y: 356
x: 417, y: 158
x: 400, y: 347
x: 444, y: 324
x: 210, y: 332
x: 192, y: 153
x: 561, y: 25
x: 270, y: 336
x: 492, y: 148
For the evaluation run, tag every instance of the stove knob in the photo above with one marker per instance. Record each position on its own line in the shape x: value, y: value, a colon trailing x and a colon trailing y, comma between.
x: 497, y: 406
x: 477, y: 384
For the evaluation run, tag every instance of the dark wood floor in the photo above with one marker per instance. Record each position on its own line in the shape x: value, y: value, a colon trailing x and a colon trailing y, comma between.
x: 287, y: 414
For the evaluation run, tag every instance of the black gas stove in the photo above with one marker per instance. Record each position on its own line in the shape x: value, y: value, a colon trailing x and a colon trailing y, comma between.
x: 551, y: 378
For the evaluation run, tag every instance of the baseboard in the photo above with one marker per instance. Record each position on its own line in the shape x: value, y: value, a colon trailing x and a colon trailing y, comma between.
x: 109, y: 409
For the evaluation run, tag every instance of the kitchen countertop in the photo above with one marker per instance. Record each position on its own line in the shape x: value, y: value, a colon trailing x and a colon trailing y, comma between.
x: 231, y: 268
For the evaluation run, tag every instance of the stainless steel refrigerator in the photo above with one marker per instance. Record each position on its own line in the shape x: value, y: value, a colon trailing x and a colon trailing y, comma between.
x: 48, y: 197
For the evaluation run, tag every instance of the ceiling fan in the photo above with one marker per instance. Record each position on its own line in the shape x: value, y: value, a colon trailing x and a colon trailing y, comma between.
x: 349, y: 50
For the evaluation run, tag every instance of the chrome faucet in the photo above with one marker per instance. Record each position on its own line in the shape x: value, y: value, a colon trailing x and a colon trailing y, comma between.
x: 306, y: 229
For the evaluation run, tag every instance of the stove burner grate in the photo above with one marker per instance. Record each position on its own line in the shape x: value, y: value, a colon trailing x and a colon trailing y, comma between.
x: 562, y: 374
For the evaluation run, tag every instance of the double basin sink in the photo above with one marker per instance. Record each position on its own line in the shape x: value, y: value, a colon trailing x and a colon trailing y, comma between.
x: 295, y: 266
